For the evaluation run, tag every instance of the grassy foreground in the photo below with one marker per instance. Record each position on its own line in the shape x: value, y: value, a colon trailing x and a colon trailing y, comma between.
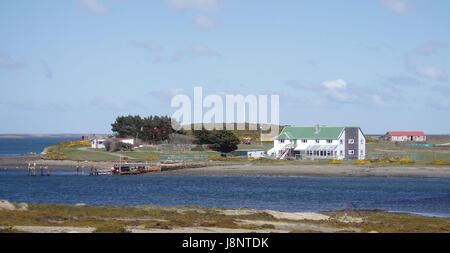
x: 114, y: 219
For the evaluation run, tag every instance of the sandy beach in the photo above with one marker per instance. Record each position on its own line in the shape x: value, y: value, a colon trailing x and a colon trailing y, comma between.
x: 226, y: 169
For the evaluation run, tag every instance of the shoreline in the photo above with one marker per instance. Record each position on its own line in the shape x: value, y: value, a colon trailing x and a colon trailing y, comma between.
x: 227, y: 169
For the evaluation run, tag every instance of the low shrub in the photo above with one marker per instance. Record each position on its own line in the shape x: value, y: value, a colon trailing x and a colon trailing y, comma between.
x: 223, y: 159
x: 382, y: 161
x: 335, y: 161
x: 198, y: 148
x: 152, y: 159
x: 439, y: 162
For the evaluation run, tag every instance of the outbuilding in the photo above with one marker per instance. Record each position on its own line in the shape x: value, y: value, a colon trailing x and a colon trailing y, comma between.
x: 405, y: 136
x: 251, y: 153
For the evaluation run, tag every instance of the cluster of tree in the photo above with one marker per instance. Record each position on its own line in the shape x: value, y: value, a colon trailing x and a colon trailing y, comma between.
x: 219, y: 140
x: 152, y: 129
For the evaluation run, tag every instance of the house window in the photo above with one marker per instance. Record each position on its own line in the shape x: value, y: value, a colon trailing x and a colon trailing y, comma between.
x: 362, y: 141
x: 342, y: 152
x: 317, y: 141
x: 329, y: 141
x: 362, y: 152
x: 351, y: 152
x: 351, y: 141
x: 281, y: 141
x: 304, y: 141
x: 341, y: 141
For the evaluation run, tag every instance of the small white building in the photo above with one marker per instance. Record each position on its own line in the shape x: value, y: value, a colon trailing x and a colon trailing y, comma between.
x: 100, y: 143
x: 251, y: 153
x: 127, y: 140
x: 97, y: 143
x: 405, y: 136
x: 313, y: 143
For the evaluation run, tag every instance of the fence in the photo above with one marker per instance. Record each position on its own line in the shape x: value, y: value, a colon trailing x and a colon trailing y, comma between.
x: 183, y: 157
x: 384, y: 156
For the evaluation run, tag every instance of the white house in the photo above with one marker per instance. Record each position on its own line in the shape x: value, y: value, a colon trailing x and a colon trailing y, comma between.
x: 405, y: 136
x: 312, y: 143
x: 100, y: 143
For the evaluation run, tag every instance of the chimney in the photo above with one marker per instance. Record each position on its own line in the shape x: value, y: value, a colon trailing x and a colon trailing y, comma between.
x: 317, y: 129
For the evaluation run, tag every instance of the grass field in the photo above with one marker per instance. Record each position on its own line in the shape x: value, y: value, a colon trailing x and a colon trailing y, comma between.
x: 422, y: 155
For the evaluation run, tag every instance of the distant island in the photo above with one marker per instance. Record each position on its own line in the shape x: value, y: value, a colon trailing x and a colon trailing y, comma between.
x: 21, y: 136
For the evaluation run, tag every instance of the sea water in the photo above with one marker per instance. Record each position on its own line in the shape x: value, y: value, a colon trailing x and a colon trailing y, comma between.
x: 295, y: 194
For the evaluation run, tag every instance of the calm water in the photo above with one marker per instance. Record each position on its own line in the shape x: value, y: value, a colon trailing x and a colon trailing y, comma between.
x: 10, y: 147
x: 422, y: 196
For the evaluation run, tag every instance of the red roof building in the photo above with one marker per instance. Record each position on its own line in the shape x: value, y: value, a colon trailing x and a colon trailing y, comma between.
x: 412, y: 136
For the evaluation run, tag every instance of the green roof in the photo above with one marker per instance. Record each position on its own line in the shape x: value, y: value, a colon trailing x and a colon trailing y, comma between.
x: 296, y: 133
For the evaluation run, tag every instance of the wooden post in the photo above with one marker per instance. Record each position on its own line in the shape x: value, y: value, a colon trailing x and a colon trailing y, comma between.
x: 28, y: 169
x: 78, y: 170
x: 82, y: 171
x: 42, y: 171
x: 48, y: 171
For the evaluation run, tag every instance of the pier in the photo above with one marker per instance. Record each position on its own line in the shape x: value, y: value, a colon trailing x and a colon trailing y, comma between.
x: 32, y: 168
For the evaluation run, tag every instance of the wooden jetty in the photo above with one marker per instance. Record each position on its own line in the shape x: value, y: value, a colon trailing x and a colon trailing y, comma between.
x: 31, y: 170
x: 135, y: 168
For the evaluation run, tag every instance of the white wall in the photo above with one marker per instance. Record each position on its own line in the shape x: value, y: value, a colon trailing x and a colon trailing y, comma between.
x: 128, y: 141
x: 100, y: 143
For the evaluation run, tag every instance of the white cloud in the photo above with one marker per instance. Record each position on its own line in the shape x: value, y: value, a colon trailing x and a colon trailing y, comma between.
x: 398, y: 6
x: 94, y: 6
x: 149, y: 45
x: 336, y: 90
x: 339, y: 83
x: 428, y: 70
x: 414, y: 61
x: 6, y: 61
x: 205, y: 22
x: 205, y: 5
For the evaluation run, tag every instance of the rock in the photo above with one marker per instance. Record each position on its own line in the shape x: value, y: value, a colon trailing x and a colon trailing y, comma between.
x: 81, y: 204
x: 22, y: 207
x: 6, y: 205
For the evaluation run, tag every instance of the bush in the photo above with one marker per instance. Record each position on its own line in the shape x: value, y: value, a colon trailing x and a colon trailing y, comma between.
x: 390, y: 160
x: 198, y: 148
x: 371, y: 139
x: 439, y: 162
x: 152, y: 159
x: 334, y: 161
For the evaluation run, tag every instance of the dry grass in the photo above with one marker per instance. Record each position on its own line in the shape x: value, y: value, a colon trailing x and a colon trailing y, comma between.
x: 112, y: 219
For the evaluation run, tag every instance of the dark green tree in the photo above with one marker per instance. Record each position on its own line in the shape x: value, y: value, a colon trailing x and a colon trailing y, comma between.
x: 202, y: 136
x: 223, y: 141
x: 127, y: 126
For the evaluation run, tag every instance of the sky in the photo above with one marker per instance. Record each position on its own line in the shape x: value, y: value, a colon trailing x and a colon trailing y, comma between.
x: 73, y: 66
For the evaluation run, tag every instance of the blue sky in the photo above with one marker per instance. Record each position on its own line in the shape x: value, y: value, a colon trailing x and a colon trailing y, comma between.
x: 73, y: 66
